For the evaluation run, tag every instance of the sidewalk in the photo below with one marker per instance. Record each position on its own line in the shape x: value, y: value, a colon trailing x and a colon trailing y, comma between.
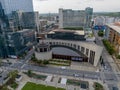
x: 24, y: 80
x: 56, y: 84
x: 117, y: 62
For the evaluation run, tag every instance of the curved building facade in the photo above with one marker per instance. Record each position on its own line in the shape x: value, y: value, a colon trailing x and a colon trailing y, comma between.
x: 43, y: 51
x: 90, y: 50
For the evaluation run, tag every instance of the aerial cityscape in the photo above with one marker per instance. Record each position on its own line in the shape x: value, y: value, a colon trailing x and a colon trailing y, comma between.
x: 59, y: 45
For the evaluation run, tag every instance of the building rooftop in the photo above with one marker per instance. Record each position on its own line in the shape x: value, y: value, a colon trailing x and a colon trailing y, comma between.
x: 24, y: 30
x: 114, y: 27
x: 42, y: 45
x: 64, y: 51
x: 79, y: 32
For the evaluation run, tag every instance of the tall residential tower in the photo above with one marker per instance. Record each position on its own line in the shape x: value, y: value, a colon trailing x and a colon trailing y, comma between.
x: 75, y: 18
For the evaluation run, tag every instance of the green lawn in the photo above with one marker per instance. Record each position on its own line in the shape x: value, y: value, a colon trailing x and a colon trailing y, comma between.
x: 33, y: 86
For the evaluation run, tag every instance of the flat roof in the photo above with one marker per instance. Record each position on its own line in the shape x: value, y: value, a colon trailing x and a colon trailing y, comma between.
x: 64, y: 51
x: 23, y: 30
x: 63, y: 81
x: 48, y: 79
x: 114, y: 27
x: 79, y: 32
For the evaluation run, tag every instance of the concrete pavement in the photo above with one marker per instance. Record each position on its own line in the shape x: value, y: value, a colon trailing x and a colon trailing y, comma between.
x: 55, y: 82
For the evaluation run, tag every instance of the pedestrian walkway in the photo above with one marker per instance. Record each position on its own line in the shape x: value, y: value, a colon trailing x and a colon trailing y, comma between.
x: 24, y: 80
x: 55, y: 83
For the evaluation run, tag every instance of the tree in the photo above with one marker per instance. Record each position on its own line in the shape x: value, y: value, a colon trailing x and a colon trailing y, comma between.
x: 33, y: 58
x: 39, y: 62
x: 29, y: 73
x: 12, y: 76
x: 45, y: 62
x: 101, y: 33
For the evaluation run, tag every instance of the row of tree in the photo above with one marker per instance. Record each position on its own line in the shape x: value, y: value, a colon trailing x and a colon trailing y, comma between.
x: 109, y: 47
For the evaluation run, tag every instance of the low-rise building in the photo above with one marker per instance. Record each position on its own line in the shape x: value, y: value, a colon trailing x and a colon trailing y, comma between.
x: 78, y: 35
x: 112, y: 34
x: 90, y: 52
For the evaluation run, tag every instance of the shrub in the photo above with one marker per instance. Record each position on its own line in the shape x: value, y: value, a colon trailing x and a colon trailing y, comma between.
x: 101, y: 33
x: 98, y: 86
x: 45, y: 62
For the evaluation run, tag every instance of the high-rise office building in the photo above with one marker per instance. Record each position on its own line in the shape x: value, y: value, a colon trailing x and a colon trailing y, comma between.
x: 13, y: 5
x: 75, y: 18
x: 25, y: 20
x: 31, y: 20
x: 3, y: 26
x: 20, y: 41
x: 89, y: 13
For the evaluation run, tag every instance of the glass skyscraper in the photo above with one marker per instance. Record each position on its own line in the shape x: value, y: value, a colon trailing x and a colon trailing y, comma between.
x: 13, y: 5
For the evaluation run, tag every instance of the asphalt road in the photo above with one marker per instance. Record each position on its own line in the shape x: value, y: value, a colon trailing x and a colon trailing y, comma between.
x: 109, y: 74
x: 106, y: 75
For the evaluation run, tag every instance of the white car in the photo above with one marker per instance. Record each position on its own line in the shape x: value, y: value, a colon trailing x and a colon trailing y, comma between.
x: 63, y: 67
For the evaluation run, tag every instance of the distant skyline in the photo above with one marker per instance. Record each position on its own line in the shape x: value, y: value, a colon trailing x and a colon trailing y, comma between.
x: 52, y: 6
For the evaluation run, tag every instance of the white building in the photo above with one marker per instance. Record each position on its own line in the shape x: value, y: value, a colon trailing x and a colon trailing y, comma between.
x: 75, y: 18
x: 91, y: 50
x: 43, y: 51
x: 13, y: 5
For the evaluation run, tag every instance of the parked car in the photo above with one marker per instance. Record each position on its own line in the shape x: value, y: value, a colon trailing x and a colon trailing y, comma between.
x: 76, y: 75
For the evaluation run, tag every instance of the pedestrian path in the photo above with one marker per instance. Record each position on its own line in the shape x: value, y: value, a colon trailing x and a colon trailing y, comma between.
x: 55, y: 83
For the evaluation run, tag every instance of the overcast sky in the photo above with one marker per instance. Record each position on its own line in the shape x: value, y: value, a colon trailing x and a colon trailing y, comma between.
x: 52, y: 6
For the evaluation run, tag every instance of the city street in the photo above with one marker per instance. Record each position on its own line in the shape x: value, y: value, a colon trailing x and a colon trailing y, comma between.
x: 108, y: 75
x: 109, y: 64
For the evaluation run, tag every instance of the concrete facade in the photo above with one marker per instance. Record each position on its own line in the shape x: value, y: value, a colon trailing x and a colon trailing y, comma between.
x: 92, y: 51
x: 112, y: 34
x: 43, y: 51
x: 43, y: 55
x: 75, y: 18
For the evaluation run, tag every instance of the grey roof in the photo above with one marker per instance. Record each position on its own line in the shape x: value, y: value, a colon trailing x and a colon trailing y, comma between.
x: 64, y: 51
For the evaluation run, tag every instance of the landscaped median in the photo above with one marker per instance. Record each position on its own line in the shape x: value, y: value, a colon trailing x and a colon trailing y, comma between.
x: 11, y: 81
x: 82, y: 84
x: 57, y: 62
x: 33, y: 86
x: 60, y: 62
x: 35, y: 76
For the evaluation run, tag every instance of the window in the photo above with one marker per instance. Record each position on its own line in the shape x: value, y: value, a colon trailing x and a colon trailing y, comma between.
x: 74, y: 46
x: 92, y: 56
x: 53, y: 43
x: 82, y: 49
x: 87, y: 51
x: 50, y: 43
x: 57, y: 43
x: 78, y: 47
